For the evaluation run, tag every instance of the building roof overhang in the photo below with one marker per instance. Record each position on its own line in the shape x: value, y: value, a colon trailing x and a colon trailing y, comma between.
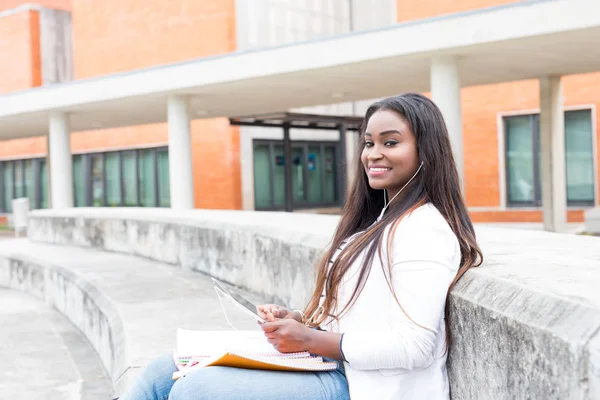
x: 520, y: 41
x: 299, y: 121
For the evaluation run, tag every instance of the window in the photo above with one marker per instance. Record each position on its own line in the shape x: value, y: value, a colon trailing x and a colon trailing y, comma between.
x: 30, y: 183
x: 129, y: 183
x: 23, y: 178
x: 97, y: 180
x: 8, y: 184
x: 113, y: 179
x: 523, y: 159
x: 43, y: 188
x: 147, y: 178
x: 19, y: 181
x: 579, y: 157
x: 164, y: 189
x: 314, y: 170
x: 78, y: 182
x: 130, y: 178
x: 521, y: 170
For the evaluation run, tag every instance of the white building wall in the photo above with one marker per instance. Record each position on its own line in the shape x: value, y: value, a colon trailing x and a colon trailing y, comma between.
x: 269, y: 23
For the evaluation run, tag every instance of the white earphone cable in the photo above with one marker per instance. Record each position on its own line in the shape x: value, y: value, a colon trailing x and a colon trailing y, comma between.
x: 386, y: 203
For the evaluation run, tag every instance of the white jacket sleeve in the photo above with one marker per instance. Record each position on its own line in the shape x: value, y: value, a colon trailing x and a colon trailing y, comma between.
x: 425, y: 261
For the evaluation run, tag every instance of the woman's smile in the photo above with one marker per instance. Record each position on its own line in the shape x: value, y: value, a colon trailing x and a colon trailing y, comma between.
x: 376, y: 171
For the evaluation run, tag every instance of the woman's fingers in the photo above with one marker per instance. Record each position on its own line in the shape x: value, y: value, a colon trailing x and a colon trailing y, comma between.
x: 272, y: 312
x: 269, y: 327
x: 271, y: 317
x: 264, y: 310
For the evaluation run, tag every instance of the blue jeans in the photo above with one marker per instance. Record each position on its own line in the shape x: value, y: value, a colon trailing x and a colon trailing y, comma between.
x: 220, y: 383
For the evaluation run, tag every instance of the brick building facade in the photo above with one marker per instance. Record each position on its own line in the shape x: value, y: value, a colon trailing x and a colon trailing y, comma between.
x: 117, y: 36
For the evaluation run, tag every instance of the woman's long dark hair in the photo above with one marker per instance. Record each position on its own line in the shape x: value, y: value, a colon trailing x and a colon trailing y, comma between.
x: 437, y: 183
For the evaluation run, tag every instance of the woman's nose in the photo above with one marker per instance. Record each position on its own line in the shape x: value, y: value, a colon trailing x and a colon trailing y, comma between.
x: 374, y: 155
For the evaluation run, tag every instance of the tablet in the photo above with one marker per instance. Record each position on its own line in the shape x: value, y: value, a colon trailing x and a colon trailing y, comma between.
x: 238, y: 300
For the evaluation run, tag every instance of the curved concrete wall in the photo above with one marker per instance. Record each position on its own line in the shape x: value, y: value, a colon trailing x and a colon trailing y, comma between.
x: 90, y: 310
x: 265, y: 252
x: 525, y: 325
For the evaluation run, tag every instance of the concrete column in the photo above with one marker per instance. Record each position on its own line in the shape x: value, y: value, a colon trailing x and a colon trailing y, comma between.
x: 351, y: 153
x: 61, y: 164
x: 445, y: 91
x: 180, y: 154
x: 552, y: 142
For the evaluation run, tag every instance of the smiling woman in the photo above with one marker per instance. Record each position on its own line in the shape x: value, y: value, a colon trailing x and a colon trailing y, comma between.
x: 379, y: 302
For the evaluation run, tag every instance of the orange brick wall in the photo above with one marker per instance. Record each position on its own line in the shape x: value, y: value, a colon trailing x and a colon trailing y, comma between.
x: 122, y: 35
x: 418, y: 9
x: 58, y: 4
x: 520, y: 216
x: 23, y: 148
x: 128, y: 34
x: 19, y: 38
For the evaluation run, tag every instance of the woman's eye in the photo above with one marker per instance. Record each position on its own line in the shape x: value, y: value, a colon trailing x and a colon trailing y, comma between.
x: 368, y: 144
x: 391, y: 143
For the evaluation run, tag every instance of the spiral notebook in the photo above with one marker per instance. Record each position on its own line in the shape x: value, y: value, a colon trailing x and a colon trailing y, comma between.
x: 241, y: 349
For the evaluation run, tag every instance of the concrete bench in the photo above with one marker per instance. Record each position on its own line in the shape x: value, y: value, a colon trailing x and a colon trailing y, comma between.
x: 526, y: 324
x: 127, y: 307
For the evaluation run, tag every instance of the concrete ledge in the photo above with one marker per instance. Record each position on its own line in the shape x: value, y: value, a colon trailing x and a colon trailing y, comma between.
x: 526, y: 324
x: 526, y: 344
x: 592, y: 220
x: 267, y: 253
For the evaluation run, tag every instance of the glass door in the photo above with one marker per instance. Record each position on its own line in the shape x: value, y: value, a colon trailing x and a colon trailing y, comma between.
x: 314, y: 168
x: 314, y: 173
x: 329, y: 175
x: 298, y: 175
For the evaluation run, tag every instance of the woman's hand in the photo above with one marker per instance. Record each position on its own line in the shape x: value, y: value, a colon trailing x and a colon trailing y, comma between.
x: 278, y: 312
x: 287, y: 335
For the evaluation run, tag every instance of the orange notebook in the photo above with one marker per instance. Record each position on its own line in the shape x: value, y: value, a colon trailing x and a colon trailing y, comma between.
x: 240, y: 349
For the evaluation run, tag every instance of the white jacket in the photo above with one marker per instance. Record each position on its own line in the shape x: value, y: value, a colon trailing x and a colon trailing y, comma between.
x: 388, y: 355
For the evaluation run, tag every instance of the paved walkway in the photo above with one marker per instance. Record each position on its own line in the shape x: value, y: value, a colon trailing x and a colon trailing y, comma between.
x: 42, y: 356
